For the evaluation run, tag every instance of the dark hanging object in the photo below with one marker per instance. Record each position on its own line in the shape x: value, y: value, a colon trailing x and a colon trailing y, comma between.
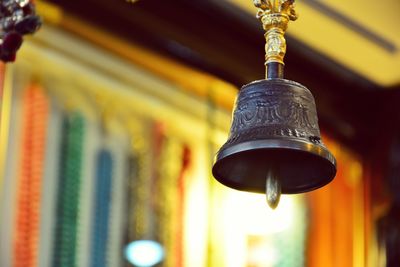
x: 17, y: 18
x: 28, y: 25
x: 274, y: 145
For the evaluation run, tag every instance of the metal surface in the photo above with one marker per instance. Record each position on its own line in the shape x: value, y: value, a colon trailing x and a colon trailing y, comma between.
x: 274, y: 125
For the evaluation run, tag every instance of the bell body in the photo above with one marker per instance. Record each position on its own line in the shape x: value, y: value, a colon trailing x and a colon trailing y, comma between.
x: 274, y: 127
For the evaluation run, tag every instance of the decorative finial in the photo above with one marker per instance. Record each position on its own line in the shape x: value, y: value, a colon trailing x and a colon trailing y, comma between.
x: 275, y: 16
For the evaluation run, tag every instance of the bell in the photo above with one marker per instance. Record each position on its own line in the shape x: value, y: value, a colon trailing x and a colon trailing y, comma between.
x: 274, y: 128
x: 274, y: 145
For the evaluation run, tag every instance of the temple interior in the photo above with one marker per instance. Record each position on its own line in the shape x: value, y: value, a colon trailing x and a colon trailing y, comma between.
x: 113, y: 112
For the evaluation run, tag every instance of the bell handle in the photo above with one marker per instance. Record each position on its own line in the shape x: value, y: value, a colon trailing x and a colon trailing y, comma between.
x: 275, y: 16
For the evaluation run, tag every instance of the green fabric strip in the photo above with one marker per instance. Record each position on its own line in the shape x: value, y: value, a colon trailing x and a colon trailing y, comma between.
x: 68, y: 194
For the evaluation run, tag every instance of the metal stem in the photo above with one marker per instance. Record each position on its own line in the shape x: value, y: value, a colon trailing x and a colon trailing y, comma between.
x: 274, y: 70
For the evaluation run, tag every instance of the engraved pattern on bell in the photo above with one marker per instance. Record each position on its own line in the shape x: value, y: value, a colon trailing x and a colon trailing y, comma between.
x: 274, y: 108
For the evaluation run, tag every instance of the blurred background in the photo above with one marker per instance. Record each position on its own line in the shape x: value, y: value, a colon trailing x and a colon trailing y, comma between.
x: 113, y: 112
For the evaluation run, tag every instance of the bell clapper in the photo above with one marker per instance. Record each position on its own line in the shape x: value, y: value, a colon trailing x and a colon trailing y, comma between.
x: 272, y: 189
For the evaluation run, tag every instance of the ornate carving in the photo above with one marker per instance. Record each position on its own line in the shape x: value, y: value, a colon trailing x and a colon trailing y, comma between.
x: 275, y: 16
x: 285, y: 7
x: 278, y: 109
x: 272, y: 111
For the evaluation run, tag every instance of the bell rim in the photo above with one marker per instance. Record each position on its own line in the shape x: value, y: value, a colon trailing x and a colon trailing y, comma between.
x: 276, y: 143
x: 281, y: 143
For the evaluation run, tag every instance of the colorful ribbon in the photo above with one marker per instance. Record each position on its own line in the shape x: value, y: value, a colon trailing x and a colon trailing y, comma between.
x: 102, y: 208
x: 133, y: 223
x: 35, y: 106
x: 68, y: 193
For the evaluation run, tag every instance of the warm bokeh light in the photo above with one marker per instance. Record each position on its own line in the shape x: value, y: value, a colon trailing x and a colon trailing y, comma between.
x: 256, y: 218
x: 196, y: 211
x: 263, y: 254
x: 248, y: 233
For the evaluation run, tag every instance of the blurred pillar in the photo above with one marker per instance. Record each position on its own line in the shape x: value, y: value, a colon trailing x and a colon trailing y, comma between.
x: 337, y: 228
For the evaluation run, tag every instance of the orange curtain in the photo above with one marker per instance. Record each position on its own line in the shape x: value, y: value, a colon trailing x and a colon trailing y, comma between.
x: 339, y: 215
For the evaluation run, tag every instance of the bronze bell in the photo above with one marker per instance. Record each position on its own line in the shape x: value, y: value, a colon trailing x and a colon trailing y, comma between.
x: 274, y: 145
